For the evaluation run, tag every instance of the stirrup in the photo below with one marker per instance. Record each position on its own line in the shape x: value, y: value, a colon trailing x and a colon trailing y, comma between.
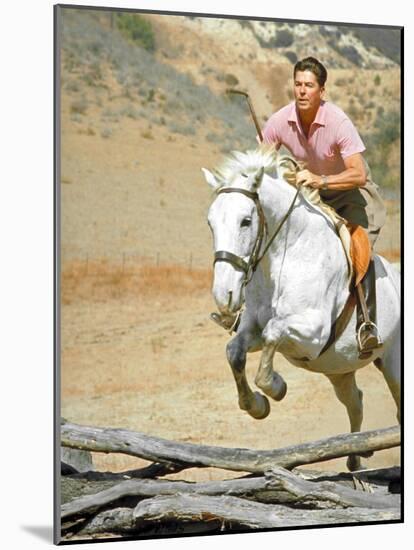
x: 230, y: 327
x: 372, y: 343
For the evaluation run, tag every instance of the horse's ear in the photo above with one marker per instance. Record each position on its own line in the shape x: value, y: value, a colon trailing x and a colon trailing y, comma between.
x: 257, y: 180
x: 211, y: 179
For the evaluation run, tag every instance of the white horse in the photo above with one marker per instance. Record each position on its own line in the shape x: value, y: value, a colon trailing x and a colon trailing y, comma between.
x: 299, y: 288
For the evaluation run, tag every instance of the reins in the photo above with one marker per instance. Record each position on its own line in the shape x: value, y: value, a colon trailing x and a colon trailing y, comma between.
x: 279, y: 227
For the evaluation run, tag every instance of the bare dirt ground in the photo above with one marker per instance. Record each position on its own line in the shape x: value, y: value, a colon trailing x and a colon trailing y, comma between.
x: 156, y: 364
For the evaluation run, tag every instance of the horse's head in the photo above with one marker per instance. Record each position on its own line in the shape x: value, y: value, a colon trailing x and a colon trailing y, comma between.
x: 234, y: 219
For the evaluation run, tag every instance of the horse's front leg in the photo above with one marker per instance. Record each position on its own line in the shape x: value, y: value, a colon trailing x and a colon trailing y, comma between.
x: 266, y: 379
x: 270, y: 382
x: 298, y: 335
x: 256, y: 404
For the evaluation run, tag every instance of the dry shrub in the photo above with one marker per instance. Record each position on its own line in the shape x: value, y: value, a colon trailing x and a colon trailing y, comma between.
x: 100, y: 280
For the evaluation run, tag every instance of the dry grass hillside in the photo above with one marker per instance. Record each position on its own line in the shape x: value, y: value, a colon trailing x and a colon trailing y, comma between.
x: 137, y: 125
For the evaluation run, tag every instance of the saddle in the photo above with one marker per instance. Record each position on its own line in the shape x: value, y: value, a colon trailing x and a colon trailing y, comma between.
x: 360, y: 251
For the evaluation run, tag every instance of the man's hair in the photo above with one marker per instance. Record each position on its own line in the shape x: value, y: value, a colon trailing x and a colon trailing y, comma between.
x: 313, y: 65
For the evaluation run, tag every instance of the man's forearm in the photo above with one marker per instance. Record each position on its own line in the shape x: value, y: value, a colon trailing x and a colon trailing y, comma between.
x: 350, y: 178
x: 346, y: 180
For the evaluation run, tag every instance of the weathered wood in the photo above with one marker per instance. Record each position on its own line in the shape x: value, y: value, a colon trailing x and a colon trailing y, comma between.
x: 74, y: 486
x: 251, y: 514
x: 277, y: 486
x: 120, y: 522
x: 81, y: 461
x: 184, y: 513
x: 162, y: 450
x: 116, y: 521
x: 151, y: 471
x: 149, y: 488
x: 326, y: 493
x: 373, y: 475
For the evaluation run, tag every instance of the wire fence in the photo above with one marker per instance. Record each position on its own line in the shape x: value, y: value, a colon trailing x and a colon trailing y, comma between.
x: 130, y: 264
x: 91, y: 264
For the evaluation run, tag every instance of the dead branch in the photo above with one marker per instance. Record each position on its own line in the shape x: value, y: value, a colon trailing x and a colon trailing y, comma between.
x: 234, y: 510
x: 161, y: 450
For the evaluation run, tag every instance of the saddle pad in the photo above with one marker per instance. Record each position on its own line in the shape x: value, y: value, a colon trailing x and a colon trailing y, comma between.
x: 360, y: 251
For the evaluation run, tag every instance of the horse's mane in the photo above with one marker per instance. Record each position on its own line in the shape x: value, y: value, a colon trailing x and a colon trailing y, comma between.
x: 247, y: 163
x: 277, y: 163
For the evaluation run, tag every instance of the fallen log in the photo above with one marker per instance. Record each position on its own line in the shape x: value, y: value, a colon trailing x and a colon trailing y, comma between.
x: 181, y: 513
x: 149, y: 488
x: 161, y: 450
x: 248, y: 513
x: 277, y: 486
x: 120, y: 522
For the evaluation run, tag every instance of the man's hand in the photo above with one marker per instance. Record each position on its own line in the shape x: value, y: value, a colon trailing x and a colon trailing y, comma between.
x: 307, y: 179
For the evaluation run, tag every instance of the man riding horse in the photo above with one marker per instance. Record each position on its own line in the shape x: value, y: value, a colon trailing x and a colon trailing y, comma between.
x: 320, y: 135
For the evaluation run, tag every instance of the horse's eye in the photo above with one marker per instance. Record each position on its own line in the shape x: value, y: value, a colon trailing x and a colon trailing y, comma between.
x: 246, y: 222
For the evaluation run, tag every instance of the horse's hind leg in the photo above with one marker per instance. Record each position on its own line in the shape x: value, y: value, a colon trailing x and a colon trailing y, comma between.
x: 256, y: 404
x: 390, y: 365
x: 350, y: 395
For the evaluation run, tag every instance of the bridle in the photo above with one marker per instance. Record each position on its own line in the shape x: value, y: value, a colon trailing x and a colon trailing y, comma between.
x: 238, y: 262
x: 255, y: 258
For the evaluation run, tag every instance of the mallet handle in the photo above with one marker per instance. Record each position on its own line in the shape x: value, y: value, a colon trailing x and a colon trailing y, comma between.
x: 256, y: 122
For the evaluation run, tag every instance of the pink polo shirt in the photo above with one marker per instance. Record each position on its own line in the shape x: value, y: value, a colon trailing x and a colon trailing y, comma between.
x: 332, y: 137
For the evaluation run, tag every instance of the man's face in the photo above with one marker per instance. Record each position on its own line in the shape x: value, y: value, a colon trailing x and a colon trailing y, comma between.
x: 308, y: 93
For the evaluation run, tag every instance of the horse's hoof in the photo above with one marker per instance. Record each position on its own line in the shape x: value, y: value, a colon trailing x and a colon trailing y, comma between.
x: 353, y: 463
x: 262, y: 408
x: 281, y: 393
x: 277, y: 389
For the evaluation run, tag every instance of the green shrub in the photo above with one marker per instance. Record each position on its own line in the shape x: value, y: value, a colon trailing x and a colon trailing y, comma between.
x: 231, y: 80
x: 137, y: 29
x: 386, y: 40
x: 106, y: 133
x: 79, y: 107
x: 291, y: 56
x: 341, y: 82
x: 283, y: 39
x: 72, y: 86
x: 388, y: 127
x: 182, y: 128
x: 351, y: 53
x: 380, y: 145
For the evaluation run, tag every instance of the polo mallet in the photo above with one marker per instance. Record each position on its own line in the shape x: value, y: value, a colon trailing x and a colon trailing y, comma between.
x: 256, y: 122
